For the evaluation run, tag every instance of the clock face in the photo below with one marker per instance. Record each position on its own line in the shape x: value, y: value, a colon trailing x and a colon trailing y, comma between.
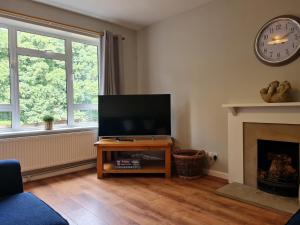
x: 278, y: 41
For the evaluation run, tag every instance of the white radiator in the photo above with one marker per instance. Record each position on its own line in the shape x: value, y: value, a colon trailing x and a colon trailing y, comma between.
x: 37, y: 152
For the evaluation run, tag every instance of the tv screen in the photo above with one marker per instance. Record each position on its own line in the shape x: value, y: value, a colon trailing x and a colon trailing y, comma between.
x: 134, y: 115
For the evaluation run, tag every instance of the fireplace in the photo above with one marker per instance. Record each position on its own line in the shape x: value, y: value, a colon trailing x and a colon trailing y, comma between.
x: 278, y: 167
x: 264, y: 121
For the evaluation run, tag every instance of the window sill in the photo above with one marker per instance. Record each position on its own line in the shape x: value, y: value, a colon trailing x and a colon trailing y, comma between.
x: 24, y: 133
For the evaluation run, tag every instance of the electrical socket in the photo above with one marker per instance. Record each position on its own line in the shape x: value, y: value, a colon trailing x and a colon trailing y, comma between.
x: 212, y: 156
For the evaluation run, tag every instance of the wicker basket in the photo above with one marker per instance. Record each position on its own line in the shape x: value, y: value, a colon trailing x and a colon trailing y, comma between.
x: 189, y: 164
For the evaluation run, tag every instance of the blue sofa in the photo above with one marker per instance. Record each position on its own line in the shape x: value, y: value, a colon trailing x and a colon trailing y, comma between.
x: 295, y: 220
x: 21, y: 208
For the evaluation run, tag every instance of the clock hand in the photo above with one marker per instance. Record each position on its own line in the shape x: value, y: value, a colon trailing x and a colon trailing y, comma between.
x: 284, y: 36
x: 278, y: 41
x: 287, y: 34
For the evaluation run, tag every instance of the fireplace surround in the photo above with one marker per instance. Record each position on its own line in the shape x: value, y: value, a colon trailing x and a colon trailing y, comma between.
x: 249, y: 122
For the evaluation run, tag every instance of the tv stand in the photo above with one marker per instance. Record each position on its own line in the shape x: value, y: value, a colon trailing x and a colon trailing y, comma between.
x: 113, y: 145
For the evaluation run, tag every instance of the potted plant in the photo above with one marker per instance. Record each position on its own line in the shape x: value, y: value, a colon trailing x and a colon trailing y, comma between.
x: 48, y: 122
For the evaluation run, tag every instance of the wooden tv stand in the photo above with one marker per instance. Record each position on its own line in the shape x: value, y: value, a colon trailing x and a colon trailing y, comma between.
x: 112, y: 145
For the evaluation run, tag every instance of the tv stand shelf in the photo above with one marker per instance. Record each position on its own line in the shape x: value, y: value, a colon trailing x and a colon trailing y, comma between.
x: 108, y: 168
x: 112, y: 145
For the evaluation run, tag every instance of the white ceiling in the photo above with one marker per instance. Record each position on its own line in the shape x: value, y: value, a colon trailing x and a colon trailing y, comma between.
x: 134, y: 14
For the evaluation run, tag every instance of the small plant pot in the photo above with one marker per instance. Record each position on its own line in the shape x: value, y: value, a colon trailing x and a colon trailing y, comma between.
x: 48, y: 125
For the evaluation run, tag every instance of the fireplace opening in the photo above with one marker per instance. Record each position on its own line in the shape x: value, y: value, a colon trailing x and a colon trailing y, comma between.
x: 278, y: 167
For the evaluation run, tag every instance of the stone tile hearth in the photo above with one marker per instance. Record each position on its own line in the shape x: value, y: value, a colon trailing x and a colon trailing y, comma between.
x: 259, y: 198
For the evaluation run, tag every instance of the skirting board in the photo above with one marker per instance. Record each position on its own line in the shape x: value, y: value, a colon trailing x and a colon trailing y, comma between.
x: 75, y: 167
x: 51, y: 172
x: 216, y: 173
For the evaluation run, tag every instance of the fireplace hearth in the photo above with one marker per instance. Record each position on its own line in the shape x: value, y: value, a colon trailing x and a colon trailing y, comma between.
x: 278, y: 167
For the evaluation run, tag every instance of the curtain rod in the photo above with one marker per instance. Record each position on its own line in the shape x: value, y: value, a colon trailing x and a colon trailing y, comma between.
x: 49, y: 23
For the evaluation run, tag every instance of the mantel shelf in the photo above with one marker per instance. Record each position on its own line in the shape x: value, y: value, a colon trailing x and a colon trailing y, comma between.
x: 233, y: 108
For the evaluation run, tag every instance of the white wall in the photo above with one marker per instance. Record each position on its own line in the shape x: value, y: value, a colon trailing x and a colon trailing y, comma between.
x: 30, y: 8
x: 205, y: 58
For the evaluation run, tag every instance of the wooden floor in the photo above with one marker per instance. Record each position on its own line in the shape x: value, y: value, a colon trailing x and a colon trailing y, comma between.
x: 83, y: 199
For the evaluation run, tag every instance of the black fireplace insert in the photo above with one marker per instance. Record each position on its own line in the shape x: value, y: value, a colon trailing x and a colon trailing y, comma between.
x: 278, y: 167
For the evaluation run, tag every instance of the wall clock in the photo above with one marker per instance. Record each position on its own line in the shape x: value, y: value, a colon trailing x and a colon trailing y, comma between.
x: 278, y: 41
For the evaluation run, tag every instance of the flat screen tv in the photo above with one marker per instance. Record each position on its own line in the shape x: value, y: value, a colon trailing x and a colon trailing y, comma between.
x: 134, y: 115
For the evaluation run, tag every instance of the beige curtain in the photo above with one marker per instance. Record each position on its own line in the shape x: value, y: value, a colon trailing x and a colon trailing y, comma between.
x: 111, y: 64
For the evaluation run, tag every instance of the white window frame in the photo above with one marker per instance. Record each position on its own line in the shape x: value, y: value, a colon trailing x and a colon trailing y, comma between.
x: 14, y: 51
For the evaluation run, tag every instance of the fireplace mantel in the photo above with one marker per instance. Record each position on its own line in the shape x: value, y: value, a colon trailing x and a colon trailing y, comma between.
x: 235, y: 107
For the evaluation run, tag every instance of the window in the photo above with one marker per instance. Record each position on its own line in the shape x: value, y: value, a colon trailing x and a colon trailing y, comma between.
x: 47, y: 73
x: 85, y: 73
x: 42, y: 90
x: 40, y: 42
x: 4, y: 68
x: 5, y: 120
x: 85, y: 116
x: 85, y: 82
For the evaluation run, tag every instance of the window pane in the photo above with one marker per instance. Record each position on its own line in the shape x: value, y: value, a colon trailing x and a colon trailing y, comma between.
x: 85, y: 70
x: 40, y: 42
x: 4, y: 68
x: 86, y: 116
x: 5, y: 119
x: 42, y: 88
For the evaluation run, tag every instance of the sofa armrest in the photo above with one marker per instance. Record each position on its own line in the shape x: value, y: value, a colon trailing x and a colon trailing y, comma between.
x: 10, y: 177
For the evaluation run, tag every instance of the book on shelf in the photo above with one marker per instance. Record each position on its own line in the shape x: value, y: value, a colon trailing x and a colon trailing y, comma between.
x: 128, y: 164
x: 127, y: 167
